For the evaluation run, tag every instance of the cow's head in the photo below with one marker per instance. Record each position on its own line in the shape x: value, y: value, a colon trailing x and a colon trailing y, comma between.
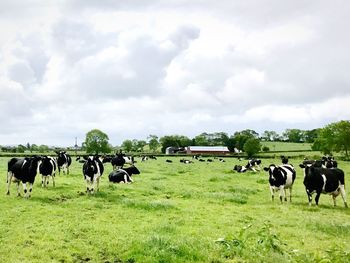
x: 275, y: 172
x: 90, y: 167
x: 133, y: 170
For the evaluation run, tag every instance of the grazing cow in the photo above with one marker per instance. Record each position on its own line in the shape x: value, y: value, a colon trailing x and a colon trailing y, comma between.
x: 22, y: 170
x: 324, y: 180
x: 123, y: 175
x: 221, y: 160
x: 63, y: 162
x: 209, y: 160
x: 92, y: 171
x: 47, y: 167
x: 169, y: 161
x: 281, y: 178
x: 120, y: 159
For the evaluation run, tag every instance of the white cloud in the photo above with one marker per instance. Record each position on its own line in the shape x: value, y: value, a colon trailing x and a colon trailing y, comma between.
x: 134, y: 69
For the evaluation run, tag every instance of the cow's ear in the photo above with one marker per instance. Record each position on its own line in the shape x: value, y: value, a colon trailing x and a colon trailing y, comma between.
x: 85, y: 157
x: 57, y: 152
x: 301, y: 165
x: 266, y: 169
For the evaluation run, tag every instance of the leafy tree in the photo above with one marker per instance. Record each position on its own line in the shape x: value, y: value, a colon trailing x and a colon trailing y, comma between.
x: 231, y: 144
x: 334, y: 137
x: 21, y: 148
x: 270, y: 136
x: 293, y: 135
x: 175, y: 141
x: 252, y: 146
x: 153, y: 142
x: 96, y: 142
x: 43, y: 148
x: 202, y: 140
x: 34, y: 148
x: 127, y: 145
x: 311, y: 135
x: 137, y: 146
x: 242, y: 136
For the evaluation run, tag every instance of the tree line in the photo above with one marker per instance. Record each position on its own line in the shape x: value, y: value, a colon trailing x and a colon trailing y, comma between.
x: 334, y: 137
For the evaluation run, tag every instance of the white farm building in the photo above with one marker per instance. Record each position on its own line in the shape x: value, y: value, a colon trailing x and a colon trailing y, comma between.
x: 207, y: 150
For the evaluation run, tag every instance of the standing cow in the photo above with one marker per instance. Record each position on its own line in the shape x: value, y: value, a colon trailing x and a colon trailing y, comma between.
x: 47, y: 169
x: 92, y: 171
x: 22, y: 170
x: 63, y: 162
x: 324, y: 180
x: 280, y: 178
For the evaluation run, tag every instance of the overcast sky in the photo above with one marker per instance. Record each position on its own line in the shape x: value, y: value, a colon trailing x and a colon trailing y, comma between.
x: 135, y: 68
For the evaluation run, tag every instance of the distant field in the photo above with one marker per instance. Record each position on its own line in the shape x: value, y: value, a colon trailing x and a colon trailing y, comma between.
x: 287, y: 146
x: 173, y: 212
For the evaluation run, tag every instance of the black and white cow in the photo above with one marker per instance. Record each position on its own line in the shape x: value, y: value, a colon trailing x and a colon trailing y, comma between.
x: 280, y: 178
x: 22, y: 170
x: 47, y: 169
x: 123, y: 175
x: 324, y: 180
x: 63, y: 162
x: 92, y: 171
x: 329, y: 162
x: 120, y: 159
x: 253, y: 164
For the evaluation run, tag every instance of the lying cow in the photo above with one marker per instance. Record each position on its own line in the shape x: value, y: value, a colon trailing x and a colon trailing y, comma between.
x: 92, y: 171
x: 324, y: 180
x: 252, y: 165
x: 47, y: 169
x: 22, y: 170
x: 280, y: 178
x: 123, y: 175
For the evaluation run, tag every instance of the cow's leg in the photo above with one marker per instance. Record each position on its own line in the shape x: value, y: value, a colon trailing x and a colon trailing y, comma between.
x: 25, y: 190
x: 290, y: 194
x: 343, y: 195
x: 53, y: 180
x: 309, y: 197
x: 9, y: 179
x: 334, y: 200
x: 272, y: 192
x: 87, y: 180
x: 42, y: 180
x: 59, y: 170
x: 317, y: 197
x: 30, y: 189
x: 282, y: 193
x: 97, y: 184
x: 67, y: 169
x: 18, y: 189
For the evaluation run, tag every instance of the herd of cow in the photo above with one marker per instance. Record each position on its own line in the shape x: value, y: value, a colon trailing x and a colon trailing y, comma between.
x: 24, y: 170
x: 320, y: 176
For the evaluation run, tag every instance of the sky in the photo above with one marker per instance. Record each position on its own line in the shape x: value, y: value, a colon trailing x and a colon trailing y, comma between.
x: 173, y: 67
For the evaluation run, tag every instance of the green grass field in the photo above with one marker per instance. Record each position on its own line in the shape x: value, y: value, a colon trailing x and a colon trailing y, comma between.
x: 172, y: 213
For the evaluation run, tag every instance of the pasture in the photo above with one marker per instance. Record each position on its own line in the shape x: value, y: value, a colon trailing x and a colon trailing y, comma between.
x: 173, y: 212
